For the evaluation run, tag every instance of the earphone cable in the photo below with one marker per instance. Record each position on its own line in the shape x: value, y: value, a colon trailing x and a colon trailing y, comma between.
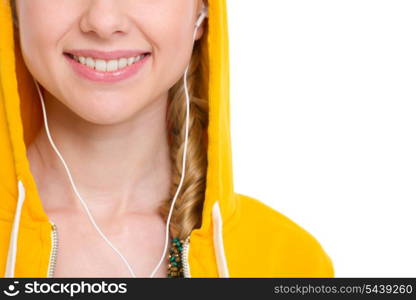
x: 86, y: 206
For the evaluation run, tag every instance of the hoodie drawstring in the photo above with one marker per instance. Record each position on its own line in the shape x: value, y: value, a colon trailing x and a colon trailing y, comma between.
x: 11, y: 255
x: 218, y: 241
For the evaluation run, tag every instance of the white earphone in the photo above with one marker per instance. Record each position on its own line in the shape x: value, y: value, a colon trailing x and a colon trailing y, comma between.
x: 202, y: 16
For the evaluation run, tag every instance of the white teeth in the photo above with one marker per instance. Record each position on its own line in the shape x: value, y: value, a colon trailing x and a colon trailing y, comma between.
x: 112, y: 65
x: 122, y: 62
x: 100, y: 65
x: 130, y: 60
x: 107, y: 66
x: 89, y: 62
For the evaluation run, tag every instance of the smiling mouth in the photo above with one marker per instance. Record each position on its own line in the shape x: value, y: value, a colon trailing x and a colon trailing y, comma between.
x: 103, y: 65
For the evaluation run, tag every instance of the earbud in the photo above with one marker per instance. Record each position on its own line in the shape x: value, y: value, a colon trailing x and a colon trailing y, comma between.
x: 203, y: 14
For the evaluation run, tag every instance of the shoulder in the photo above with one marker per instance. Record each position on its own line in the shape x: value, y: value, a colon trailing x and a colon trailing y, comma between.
x: 289, y: 249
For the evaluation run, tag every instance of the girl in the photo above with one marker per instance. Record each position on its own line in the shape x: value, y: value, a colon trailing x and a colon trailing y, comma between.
x: 116, y: 149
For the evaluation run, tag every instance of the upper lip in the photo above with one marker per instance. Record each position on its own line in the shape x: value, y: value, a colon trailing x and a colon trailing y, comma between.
x: 107, y: 55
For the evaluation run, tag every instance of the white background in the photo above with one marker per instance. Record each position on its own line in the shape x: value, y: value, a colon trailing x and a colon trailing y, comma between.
x: 323, y: 123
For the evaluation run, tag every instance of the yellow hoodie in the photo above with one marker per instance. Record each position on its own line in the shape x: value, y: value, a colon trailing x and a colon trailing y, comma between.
x: 239, y: 236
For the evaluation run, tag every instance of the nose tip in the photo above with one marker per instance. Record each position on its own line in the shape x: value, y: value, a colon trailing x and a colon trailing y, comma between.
x: 115, y: 21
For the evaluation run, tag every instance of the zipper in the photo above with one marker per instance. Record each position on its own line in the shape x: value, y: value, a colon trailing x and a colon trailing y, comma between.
x: 185, y: 257
x: 54, y: 250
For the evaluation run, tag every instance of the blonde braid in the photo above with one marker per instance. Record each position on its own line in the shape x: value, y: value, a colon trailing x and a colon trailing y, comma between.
x: 187, y: 213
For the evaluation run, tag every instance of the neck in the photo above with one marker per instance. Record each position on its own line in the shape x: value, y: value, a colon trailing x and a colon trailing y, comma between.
x: 118, y: 168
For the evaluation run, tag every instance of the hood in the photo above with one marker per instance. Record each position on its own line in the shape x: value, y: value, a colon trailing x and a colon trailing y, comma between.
x: 21, y: 210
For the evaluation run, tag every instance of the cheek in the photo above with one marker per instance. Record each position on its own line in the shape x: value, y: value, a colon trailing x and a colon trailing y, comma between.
x: 173, y: 53
x: 37, y: 46
x: 39, y: 39
x: 41, y: 25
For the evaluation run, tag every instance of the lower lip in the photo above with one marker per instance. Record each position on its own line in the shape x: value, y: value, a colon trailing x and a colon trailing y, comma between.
x: 100, y: 76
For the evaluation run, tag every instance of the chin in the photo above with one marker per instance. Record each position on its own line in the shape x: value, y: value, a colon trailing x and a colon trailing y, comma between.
x: 106, y: 116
